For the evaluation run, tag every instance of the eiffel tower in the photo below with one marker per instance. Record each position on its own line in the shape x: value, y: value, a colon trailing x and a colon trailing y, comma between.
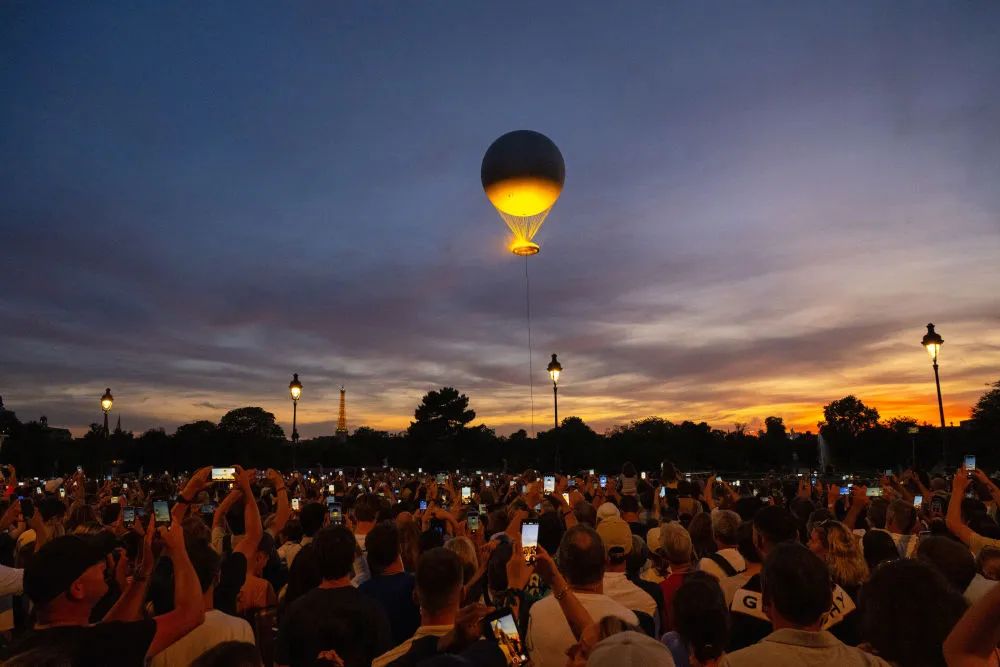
x: 342, y: 419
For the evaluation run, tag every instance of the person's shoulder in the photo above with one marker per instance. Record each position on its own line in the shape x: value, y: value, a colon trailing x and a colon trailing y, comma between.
x: 608, y: 605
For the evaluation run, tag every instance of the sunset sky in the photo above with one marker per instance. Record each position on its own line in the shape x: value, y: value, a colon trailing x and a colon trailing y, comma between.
x: 765, y: 204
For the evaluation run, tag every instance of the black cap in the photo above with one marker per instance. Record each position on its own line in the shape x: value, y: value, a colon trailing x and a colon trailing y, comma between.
x: 58, y: 564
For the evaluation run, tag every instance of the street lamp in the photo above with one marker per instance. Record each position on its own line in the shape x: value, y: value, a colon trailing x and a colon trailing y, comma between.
x: 932, y: 342
x: 295, y: 389
x: 106, y: 402
x: 555, y: 369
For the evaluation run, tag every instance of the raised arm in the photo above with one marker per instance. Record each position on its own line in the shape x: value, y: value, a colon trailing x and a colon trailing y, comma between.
x: 859, y: 501
x: 223, y: 509
x: 284, y: 509
x: 574, y: 611
x: 973, y: 640
x: 198, y: 481
x: 251, y: 516
x: 953, y: 519
x: 189, y: 610
x: 129, y: 605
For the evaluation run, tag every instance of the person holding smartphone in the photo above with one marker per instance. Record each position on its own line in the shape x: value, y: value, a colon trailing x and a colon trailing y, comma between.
x: 66, y: 579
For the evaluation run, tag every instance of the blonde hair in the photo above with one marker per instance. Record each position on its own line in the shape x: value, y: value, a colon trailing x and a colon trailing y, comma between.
x: 466, y: 551
x: 843, y: 554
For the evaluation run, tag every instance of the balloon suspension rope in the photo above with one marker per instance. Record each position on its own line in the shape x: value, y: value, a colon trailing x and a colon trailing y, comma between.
x: 531, y: 374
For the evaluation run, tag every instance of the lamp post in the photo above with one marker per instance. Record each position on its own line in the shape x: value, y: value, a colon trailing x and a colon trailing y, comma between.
x: 106, y: 402
x: 295, y: 389
x: 932, y: 342
x: 555, y: 369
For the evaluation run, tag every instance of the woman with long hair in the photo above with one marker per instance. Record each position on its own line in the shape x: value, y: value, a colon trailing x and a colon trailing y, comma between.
x: 838, y: 547
x: 840, y: 550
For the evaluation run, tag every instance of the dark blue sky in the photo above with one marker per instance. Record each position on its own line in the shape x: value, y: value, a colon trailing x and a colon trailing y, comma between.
x: 764, y: 204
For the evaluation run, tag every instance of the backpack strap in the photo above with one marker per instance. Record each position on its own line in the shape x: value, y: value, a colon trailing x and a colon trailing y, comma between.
x: 723, y: 564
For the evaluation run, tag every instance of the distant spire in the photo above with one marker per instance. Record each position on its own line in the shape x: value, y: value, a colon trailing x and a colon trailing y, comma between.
x: 342, y: 419
x: 118, y: 429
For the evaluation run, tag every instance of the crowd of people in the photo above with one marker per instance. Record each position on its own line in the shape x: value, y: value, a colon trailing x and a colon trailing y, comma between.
x: 390, y: 568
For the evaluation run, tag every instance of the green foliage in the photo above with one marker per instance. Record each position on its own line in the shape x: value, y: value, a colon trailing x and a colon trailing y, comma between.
x: 440, y: 438
x: 250, y: 422
x: 848, y: 417
x: 986, y: 411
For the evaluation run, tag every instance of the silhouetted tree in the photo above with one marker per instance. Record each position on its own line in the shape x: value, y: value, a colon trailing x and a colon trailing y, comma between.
x: 848, y: 416
x: 986, y: 411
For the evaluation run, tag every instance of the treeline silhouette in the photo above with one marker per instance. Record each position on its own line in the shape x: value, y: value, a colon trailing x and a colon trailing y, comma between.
x: 440, y: 438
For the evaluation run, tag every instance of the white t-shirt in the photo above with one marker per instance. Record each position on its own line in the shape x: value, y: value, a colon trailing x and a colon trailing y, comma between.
x: 624, y: 592
x: 731, y: 555
x: 549, y: 634
x: 218, y: 627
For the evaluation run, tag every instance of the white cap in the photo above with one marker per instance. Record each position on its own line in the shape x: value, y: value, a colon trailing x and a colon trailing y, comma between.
x: 630, y: 649
x: 606, y: 511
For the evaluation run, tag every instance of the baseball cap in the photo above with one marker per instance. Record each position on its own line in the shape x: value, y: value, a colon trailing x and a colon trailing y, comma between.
x: 606, y: 511
x: 58, y: 564
x: 615, y: 534
x: 624, y: 649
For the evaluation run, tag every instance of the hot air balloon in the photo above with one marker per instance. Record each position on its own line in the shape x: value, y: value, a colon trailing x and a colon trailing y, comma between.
x: 523, y: 174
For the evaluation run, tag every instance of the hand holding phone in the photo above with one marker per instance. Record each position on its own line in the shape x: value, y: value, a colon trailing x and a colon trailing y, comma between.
x: 223, y: 474
x: 161, y: 512
x: 529, y: 540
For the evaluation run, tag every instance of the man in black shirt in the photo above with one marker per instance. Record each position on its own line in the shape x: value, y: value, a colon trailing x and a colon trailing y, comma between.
x: 771, y: 526
x: 67, y: 577
x: 335, y: 615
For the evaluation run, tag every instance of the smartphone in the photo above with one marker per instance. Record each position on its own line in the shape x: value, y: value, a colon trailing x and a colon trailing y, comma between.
x: 128, y: 515
x: 441, y: 477
x: 27, y: 508
x: 642, y: 475
x: 38, y: 490
x: 330, y: 501
x: 549, y: 484
x: 114, y: 500
x: 62, y: 492
x: 420, y: 471
x: 336, y: 514
x: 571, y: 482
x: 918, y: 501
x: 487, y: 483
x: 223, y: 474
x: 423, y: 504
x: 566, y: 498
x: 591, y: 471
x: 844, y: 491
x: 970, y: 463
x: 529, y: 540
x: 79, y: 468
x: 604, y: 481
x: 874, y: 492
x: 331, y: 489
x: 501, y: 628
x: 466, y: 494
x: 663, y: 492
x: 208, y: 508
x: 161, y: 512
x: 296, y: 503
x: 473, y: 521
x: 888, y: 472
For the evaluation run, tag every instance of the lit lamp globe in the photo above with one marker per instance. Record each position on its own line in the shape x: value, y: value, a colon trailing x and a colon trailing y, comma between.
x: 932, y: 342
x: 523, y: 174
x: 295, y: 387
x: 107, y: 400
x: 555, y: 369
